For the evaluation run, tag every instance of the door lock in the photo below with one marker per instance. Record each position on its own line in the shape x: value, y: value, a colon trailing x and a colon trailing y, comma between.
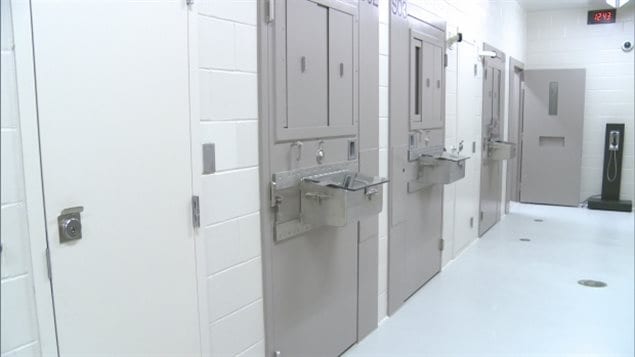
x: 69, y: 223
x: 319, y: 154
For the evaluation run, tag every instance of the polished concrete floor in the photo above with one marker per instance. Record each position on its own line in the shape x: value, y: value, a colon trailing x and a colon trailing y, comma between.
x: 506, y: 297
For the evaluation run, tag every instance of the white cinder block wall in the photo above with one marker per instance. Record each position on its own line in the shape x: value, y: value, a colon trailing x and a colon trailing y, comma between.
x: 229, y: 198
x: 19, y: 328
x: 501, y: 23
x: 562, y: 39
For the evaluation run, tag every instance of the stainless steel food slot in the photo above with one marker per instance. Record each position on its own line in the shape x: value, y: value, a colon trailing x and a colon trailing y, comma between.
x: 329, y: 195
x: 438, y: 169
x: 500, y: 150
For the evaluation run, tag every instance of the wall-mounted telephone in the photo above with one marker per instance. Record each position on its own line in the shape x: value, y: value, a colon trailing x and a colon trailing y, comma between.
x: 614, y: 140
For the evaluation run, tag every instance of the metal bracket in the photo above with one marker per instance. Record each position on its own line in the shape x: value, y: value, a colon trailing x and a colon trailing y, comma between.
x: 196, y: 212
x: 270, y: 11
x: 48, y: 264
x: 209, y: 158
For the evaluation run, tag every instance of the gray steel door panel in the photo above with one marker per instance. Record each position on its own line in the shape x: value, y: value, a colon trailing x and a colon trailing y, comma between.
x: 317, y: 301
x: 491, y: 171
x: 305, y: 57
x: 307, y: 61
x: 423, y: 258
x: 428, y: 84
x: 415, y: 219
x: 437, y: 120
x: 552, y: 143
x: 315, y: 292
x: 341, y: 68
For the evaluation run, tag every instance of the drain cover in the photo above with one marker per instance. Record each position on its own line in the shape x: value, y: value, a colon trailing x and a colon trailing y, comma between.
x: 525, y: 240
x: 592, y: 283
x: 538, y: 220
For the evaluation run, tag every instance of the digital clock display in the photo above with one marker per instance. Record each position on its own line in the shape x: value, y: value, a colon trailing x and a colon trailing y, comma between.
x: 601, y: 17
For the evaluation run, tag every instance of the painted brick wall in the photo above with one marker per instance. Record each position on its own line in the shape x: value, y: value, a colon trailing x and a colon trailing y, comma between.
x: 229, y: 198
x: 562, y: 39
x: 19, y: 326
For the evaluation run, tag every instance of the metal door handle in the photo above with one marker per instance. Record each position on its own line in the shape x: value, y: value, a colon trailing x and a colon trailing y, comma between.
x: 370, y: 192
x: 317, y: 196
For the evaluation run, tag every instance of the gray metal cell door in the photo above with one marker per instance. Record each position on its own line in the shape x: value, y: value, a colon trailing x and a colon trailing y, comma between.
x: 552, y: 136
x: 313, y: 297
x: 491, y: 129
x: 417, y: 87
x: 124, y: 281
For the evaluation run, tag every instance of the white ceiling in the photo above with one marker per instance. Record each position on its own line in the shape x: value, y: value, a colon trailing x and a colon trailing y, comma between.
x: 535, y: 5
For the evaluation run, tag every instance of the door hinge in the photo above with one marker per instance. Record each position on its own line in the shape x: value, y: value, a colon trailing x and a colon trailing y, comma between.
x: 196, y: 212
x: 480, y: 216
x: 445, y: 60
x: 441, y: 244
x: 473, y: 147
x: 270, y: 11
x: 48, y: 264
x: 471, y: 222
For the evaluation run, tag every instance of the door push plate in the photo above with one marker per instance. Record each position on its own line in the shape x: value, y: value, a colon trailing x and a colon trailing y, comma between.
x: 69, y: 223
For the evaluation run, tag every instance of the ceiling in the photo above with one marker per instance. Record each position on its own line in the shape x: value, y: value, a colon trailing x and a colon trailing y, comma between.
x: 536, y: 5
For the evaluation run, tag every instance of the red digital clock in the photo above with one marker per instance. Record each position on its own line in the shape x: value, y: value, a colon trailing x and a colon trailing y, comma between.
x: 601, y: 17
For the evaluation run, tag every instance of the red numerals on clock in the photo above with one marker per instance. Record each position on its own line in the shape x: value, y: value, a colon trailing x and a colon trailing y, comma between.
x: 603, y: 16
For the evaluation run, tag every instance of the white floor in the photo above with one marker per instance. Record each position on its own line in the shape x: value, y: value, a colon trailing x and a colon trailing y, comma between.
x: 507, y: 297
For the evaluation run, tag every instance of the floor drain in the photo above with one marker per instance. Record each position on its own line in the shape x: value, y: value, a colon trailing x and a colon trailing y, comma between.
x: 525, y: 240
x: 538, y: 220
x: 592, y: 283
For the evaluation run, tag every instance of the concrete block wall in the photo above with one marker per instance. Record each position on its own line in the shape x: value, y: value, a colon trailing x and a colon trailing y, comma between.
x: 19, y: 327
x: 562, y: 39
x: 229, y: 197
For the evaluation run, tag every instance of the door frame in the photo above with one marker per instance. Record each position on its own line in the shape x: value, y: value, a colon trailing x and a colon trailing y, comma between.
x: 428, y: 25
x: 265, y: 113
x: 196, y: 156
x: 498, y: 62
x: 29, y: 127
x: 366, y: 145
x: 515, y: 129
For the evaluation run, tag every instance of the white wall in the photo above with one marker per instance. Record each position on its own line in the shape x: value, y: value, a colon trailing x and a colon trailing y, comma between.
x: 19, y: 326
x: 562, y: 39
x: 229, y: 198
x: 501, y: 23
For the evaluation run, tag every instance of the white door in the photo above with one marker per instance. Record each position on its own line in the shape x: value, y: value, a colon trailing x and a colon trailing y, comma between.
x: 113, y: 97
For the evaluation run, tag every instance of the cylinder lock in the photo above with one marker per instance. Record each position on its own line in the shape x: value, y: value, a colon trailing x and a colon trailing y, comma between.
x: 69, y: 223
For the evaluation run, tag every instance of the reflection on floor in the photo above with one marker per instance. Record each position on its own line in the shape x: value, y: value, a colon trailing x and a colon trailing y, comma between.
x: 511, y: 297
